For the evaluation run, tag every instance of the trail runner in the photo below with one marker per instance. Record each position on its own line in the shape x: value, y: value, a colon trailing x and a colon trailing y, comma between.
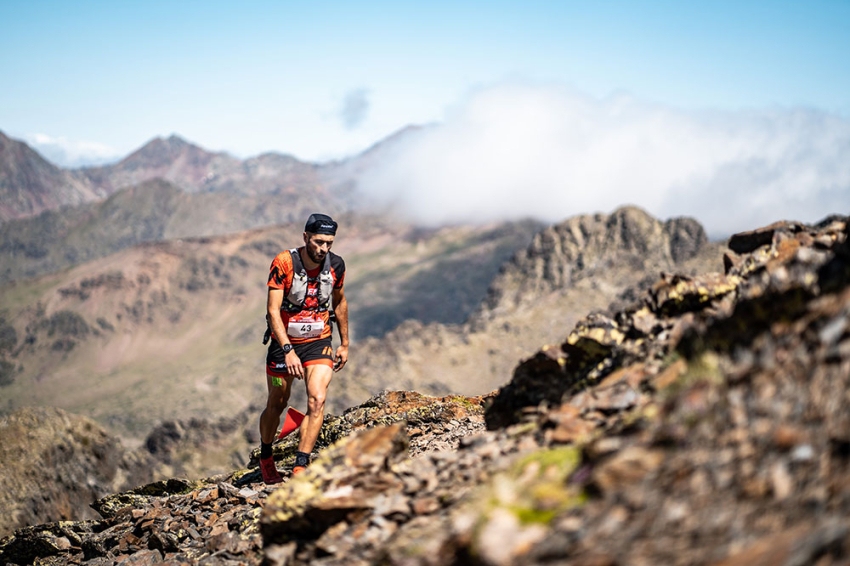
x: 304, y: 285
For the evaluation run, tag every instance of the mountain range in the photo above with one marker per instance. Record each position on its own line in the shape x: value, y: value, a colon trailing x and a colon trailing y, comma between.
x: 29, y: 184
x: 112, y: 297
x: 167, y: 189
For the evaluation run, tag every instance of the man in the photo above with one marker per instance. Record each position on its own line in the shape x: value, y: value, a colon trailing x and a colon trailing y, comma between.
x: 303, y: 284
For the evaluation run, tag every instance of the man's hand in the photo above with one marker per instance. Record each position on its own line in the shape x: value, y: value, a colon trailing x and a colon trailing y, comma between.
x: 340, y: 357
x: 293, y: 365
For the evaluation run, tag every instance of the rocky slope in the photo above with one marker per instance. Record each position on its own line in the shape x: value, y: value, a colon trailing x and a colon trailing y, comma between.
x: 704, y: 422
x: 54, y: 464
x: 183, y: 514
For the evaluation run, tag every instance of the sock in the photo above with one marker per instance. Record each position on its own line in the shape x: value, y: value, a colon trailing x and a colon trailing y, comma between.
x: 265, y: 450
x: 302, y: 459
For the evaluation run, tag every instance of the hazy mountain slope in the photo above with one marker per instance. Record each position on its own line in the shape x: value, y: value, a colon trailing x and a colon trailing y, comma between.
x: 168, y: 188
x: 56, y: 239
x: 430, y: 275
x: 30, y: 185
x: 172, y: 329
x: 155, y: 210
x: 108, y: 339
x: 569, y: 270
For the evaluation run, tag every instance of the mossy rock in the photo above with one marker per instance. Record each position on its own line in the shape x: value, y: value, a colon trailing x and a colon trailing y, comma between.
x: 139, y: 497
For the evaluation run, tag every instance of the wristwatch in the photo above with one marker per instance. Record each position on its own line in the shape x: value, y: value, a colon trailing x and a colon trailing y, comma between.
x: 287, y: 348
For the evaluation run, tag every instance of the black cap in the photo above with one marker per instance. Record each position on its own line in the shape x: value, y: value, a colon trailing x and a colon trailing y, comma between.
x: 320, y: 224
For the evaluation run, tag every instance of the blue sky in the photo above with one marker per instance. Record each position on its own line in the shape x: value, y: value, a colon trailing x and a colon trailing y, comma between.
x: 87, y: 81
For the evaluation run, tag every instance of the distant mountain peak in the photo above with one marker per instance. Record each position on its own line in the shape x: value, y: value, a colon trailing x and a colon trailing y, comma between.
x: 161, y: 150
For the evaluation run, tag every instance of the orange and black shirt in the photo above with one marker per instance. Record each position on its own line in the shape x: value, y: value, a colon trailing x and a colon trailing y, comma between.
x: 311, y: 323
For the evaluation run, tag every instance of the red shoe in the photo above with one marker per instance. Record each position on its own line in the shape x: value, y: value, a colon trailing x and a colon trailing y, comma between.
x: 298, y: 469
x: 269, y: 471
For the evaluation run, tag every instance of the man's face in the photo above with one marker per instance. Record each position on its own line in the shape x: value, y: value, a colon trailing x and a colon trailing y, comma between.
x: 318, y: 246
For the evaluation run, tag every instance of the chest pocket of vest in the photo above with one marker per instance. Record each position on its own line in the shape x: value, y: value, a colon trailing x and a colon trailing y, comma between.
x: 294, y: 301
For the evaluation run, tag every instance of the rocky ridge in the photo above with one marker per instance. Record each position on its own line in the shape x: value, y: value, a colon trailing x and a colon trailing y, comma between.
x: 197, y: 170
x: 703, y: 422
x: 582, y: 246
x: 569, y: 269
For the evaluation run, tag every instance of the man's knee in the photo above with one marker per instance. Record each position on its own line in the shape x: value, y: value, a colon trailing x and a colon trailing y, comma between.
x: 316, y: 403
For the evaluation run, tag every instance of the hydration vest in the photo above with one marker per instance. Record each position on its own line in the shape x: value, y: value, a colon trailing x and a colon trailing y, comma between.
x: 294, y: 301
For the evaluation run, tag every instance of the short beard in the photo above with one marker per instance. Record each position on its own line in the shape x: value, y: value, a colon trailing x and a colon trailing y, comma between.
x: 313, y: 256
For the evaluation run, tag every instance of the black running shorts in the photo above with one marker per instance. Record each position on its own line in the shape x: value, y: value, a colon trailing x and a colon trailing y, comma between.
x: 318, y: 352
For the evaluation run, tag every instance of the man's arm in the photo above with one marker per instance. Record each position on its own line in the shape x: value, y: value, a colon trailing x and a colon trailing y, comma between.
x: 275, y: 300
x: 341, y: 310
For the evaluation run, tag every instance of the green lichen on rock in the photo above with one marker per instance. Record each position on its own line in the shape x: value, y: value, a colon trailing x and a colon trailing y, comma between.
x: 467, y: 403
x: 519, y: 505
x: 543, y: 476
x: 535, y: 489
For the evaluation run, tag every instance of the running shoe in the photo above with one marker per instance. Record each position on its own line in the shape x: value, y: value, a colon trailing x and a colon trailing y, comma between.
x: 269, y: 471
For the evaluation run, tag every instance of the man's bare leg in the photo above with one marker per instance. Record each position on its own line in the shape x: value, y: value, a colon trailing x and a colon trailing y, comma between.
x: 275, y: 404
x: 279, y: 390
x: 318, y: 379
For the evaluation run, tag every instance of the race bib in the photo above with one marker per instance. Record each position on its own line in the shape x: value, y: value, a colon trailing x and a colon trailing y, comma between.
x: 305, y: 328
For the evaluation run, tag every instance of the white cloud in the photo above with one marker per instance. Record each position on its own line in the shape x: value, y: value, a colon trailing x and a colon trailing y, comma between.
x: 71, y: 153
x: 515, y: 150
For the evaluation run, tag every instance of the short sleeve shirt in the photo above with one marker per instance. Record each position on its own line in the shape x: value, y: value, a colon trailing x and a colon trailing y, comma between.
x: 310, y: 323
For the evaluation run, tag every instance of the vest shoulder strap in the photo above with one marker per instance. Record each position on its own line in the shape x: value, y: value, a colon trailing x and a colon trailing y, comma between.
x: 297, y: 264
